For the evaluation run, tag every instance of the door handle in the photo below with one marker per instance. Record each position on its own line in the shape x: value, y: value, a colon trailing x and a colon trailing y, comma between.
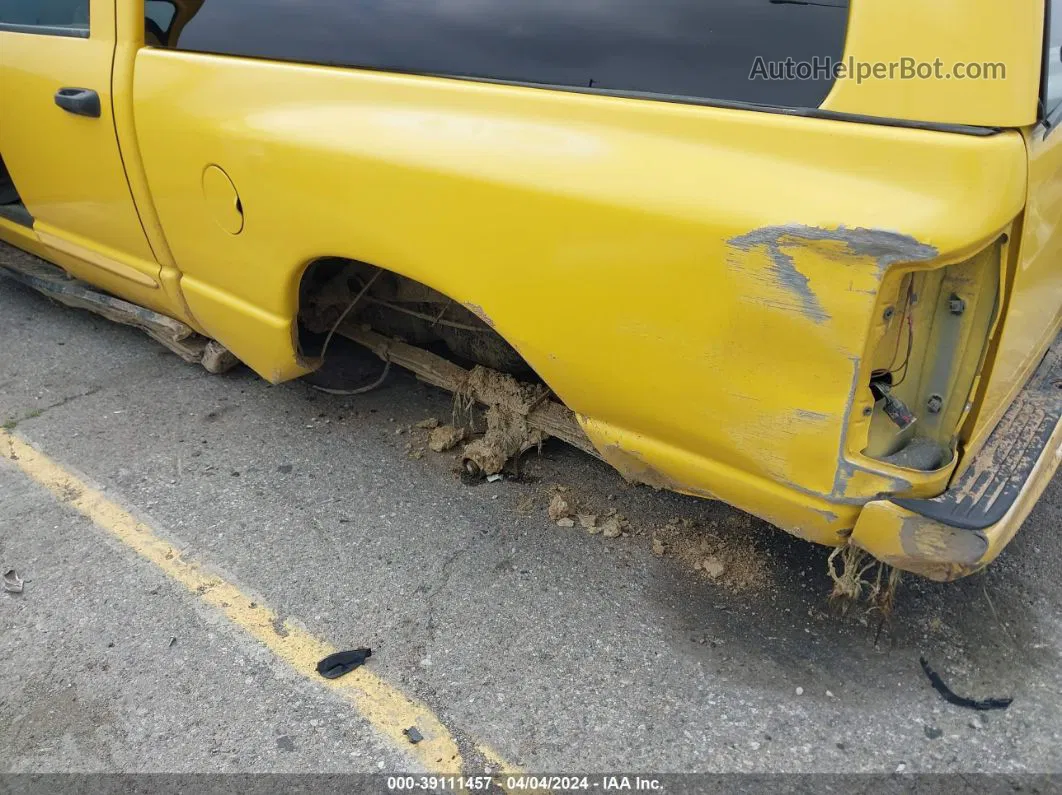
x: 82, y: 101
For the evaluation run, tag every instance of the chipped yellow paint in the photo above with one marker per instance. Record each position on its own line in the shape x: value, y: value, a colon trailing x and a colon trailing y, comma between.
x: 384, y: 706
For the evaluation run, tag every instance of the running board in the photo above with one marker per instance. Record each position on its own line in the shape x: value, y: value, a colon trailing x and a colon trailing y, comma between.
x: 983, y: 494
x: 58, y: 285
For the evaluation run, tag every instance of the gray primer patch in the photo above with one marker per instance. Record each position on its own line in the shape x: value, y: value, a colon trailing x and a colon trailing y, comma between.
x: 886, y: 248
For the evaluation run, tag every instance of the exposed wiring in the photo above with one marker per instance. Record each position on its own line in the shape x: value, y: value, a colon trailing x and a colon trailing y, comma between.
x: 906, y: 306
x: 907, y: 358
x: 446, y: 306
x: 435, y: 320
x: 906, y: 319
x: 361, y: 390
x: 343, y: 316
x: 910, y: 335
x: 328, y: 339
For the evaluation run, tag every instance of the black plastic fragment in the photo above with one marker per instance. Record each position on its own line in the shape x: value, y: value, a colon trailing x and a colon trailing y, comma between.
x: 413, y: 734
x: 342, y: 662
x: 952, y: 698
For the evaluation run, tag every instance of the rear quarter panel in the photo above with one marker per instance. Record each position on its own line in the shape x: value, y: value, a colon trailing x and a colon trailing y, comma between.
x: 695, y: 282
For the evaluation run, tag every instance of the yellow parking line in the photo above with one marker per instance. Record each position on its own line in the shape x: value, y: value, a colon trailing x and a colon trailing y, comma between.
x: 386, y: 707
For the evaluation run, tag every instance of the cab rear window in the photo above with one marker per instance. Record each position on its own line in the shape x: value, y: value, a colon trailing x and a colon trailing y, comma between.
x: 43, y: 15
x: 701, y: 50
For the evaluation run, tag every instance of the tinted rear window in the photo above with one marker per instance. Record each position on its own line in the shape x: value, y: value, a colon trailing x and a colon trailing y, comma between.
x: 45, y: 13
x: 703, y: 49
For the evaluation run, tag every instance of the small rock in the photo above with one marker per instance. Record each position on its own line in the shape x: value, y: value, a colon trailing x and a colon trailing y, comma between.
x: 566, y: 522
x: 494, y: 478
x: 285, y: 743
x: 659, y: 547
x: 12, y: 582
x: 612, y: 528
x: 587, y: 520
x: 976, y: 723
x: 800, y: 691
x: 413, y: 735
x: 445, y: 437
x: 714, y: 568
x: 559, y: 508
x: 933, y: 733
x: 285, y: 469
x: 429, y: 424
x: 829, y: 694
x: 900, y: 768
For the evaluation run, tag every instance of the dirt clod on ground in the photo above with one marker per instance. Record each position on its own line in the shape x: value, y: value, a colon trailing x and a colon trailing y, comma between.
x: 712, y: 566
x: 728, y: 558
x: 612, y: 527
x: 559, y: 508
x: 429, y: 424
x: 446, y: 437
x: 566, y: 522
x: 725, y: 554
x: 526, y: 506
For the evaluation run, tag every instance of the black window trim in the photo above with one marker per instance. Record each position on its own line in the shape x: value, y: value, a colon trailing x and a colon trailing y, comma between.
x: 809, y: 113
x: 72, y: 32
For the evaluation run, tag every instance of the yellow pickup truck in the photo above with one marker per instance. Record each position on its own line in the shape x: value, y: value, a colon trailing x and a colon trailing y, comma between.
x: 802, y: 256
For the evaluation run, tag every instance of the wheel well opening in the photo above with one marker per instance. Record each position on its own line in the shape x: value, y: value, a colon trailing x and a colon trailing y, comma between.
x: 8, y: 192
x: 337, y: 293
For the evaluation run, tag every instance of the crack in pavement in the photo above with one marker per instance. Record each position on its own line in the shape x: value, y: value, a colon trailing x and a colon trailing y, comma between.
x: 33, y: 414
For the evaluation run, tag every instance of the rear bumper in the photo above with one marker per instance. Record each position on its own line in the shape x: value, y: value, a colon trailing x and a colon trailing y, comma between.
x: 966, y: 527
